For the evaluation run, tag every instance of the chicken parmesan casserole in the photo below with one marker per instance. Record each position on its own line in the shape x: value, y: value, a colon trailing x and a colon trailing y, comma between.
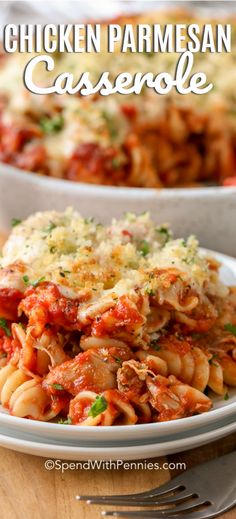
x: 111, y: 325
x: 145, y: 140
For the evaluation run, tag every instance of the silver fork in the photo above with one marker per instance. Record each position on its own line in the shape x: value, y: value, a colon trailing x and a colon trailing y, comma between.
x: 202, y: 492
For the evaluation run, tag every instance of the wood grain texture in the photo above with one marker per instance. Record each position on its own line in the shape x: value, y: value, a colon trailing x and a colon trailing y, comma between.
x: 28, y: 490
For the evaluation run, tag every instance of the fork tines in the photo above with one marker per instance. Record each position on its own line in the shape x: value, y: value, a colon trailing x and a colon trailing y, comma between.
x: 202, y: 492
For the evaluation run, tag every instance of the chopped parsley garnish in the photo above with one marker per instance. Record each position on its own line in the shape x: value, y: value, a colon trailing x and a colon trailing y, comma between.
x: 230, y: 328
x: 144, y: 248
x: 15, y: 222
x: 22, y: 325
x: 32, y: 283
x: 52, y: 125
x: 58, y: 386
x: 5, y: 327
x: 164, y: 231
x: 110, y: 124
x: 117, y: 359
x: 36, y: 283
x: 26, y: 279
x: 68, y: 421
x: 188, y: 261
x: 150, y: 291
x: 116, y: 163
x: 88, y: 220
x: 211, y: 360
x: 226, y: 396
x: 50, y: 227
x: 99, y: 405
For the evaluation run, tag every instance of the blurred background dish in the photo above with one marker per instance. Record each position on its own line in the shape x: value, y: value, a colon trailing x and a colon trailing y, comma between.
x: 209, y: 213
x: 145, y: 140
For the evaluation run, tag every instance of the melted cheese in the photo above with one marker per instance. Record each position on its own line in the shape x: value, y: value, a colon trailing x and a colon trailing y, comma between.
x: 103, y: 262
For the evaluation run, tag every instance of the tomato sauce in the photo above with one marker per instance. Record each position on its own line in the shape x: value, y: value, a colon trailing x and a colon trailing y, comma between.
x: 9, y: 301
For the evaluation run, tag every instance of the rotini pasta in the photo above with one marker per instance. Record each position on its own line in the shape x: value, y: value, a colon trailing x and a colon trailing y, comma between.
x: 115, y: 325
x: 24, y: 396
x: 117, y: 409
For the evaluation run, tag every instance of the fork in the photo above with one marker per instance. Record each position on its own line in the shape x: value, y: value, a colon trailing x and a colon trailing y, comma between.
x: 202, y: 492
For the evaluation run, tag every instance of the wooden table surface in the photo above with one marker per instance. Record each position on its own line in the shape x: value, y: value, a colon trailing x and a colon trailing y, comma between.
x: 29, y: 491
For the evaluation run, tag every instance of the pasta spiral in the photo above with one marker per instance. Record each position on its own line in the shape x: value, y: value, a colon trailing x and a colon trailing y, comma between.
x: 172, y: 399
x: 195, y: 367
x: 24, y: 396
x: 118, y: 411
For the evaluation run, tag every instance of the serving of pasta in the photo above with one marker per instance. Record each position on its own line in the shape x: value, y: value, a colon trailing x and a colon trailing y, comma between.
x: 145, y: 140
x: 111, y: 325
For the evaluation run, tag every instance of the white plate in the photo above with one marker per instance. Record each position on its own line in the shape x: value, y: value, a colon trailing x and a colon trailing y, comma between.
x: 209, y: 213
x: 50, y: 450
x: 222, y: 409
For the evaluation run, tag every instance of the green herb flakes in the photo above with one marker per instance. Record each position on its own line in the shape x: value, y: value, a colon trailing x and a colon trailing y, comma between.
x: 230, y: 328
x: 58, y: 386
x: 36, y: 283
x: 67, y: 421
x: 111, y: 126
x: 50, y: 228
x: 117, y: 359
x: 165, y: 233
x: 150, y: 291
x: 52, y: 125
x: 15, y: 222
x: 99, y: 405
x: 144, y: 248
x: 5, y: 327
x: 116, y: 163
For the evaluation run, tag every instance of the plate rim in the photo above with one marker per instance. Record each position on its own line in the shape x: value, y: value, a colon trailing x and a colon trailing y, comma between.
x: 184, y: 443
x: 106, y: 443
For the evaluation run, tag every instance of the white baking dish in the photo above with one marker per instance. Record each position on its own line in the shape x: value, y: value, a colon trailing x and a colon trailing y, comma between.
x: 210, y: 212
